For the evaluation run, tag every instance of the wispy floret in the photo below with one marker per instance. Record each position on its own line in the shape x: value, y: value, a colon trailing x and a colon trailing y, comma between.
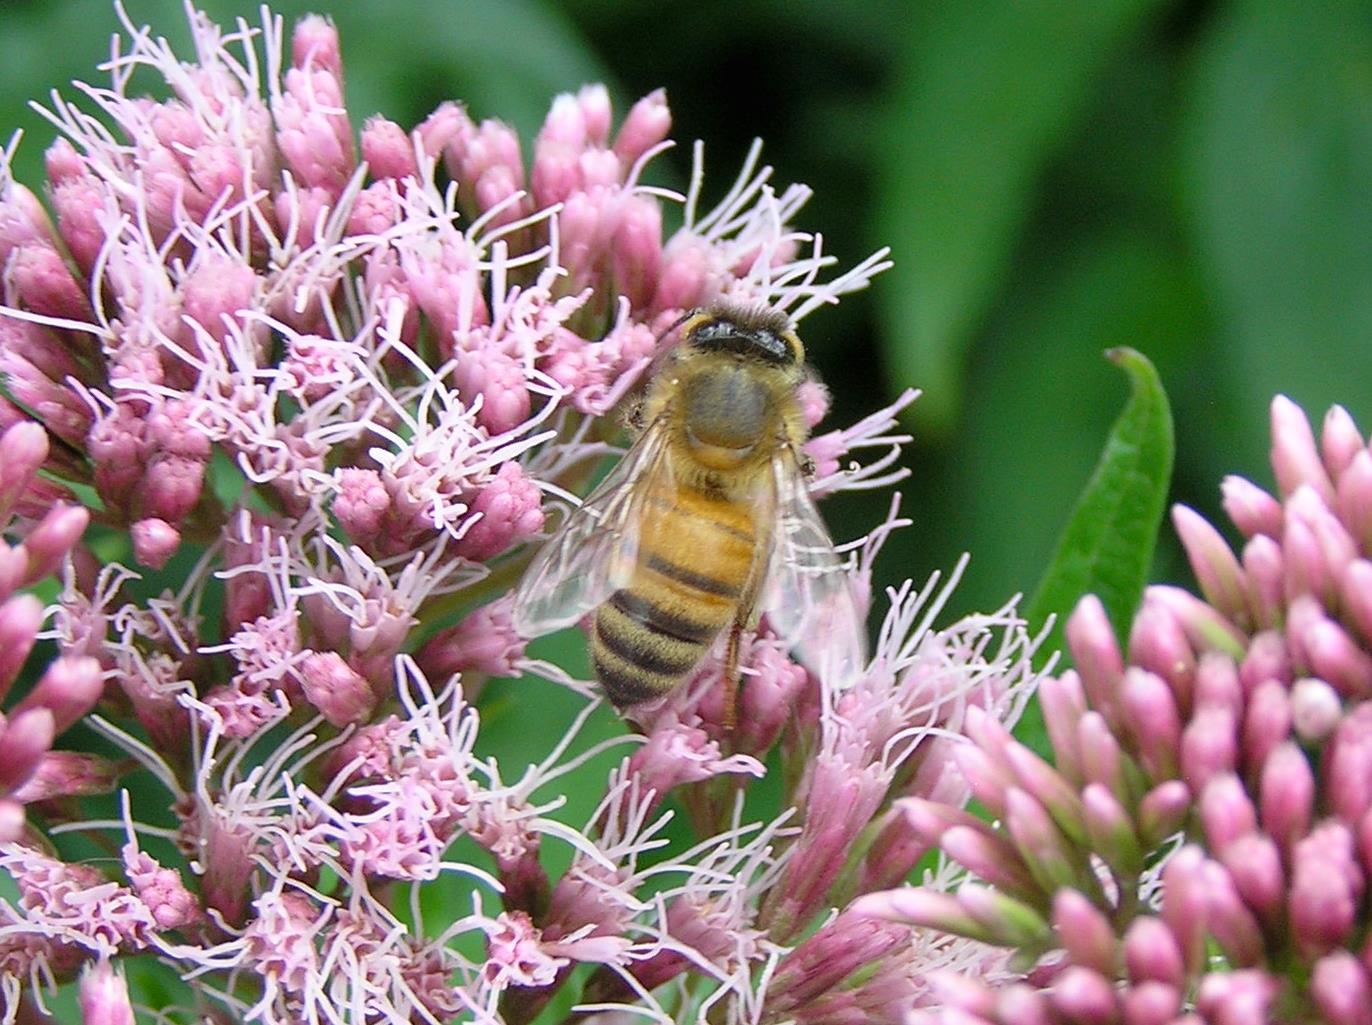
x: 1198, y: 850
x: 323, y: 391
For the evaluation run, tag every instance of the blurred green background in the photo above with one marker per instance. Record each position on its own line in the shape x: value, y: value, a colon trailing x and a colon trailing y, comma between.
x: 1193, y: 180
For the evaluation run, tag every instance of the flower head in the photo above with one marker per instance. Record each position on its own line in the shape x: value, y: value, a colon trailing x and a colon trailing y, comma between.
x: 1198, y: 851
x: 328, y: 388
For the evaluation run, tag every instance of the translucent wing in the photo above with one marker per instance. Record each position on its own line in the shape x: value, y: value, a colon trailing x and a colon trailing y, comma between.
x: 593, y: 553
x: 808, y: 598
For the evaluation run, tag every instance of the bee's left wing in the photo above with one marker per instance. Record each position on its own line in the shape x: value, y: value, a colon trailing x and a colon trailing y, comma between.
x: 594, y: 552
x: 808, y: 597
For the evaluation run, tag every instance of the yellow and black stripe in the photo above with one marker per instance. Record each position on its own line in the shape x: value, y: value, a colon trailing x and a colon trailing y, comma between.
x: 695, y: 557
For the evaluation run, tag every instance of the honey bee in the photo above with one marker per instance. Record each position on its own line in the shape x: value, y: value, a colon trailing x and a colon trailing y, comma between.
x: 706, y: 522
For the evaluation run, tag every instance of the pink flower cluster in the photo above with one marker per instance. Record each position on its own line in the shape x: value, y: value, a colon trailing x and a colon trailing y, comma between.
x: 316, y: 389
x: 1200, y: 850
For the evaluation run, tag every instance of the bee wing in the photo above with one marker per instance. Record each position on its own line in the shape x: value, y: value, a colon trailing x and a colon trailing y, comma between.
x: 593, y: 553
x: 808, y: 597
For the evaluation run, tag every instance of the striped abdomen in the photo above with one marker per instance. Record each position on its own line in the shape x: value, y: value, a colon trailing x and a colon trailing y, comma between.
x: 694, y: 560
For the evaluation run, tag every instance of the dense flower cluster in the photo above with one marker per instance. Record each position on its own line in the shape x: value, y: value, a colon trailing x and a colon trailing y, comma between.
x: 318, y: 392
x: 1200, y: 849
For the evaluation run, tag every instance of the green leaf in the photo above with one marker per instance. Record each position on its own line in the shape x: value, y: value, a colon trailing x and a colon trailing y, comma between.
x: 990, y: 93
x: 1279, y: 155
x: 1107, y: 546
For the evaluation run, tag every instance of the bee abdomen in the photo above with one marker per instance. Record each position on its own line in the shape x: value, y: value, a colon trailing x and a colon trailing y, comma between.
x: 642, y: 649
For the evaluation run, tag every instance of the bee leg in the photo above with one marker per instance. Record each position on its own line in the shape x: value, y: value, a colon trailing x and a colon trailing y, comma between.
x: 731, y: 676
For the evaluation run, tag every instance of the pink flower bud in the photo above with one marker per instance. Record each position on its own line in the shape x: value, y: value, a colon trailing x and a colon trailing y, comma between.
x: 1254, y: 863
x: 312, y: 129
x: 387, y: 149
x: 49, y: 542
x: 646, y: 124
x: 1337, y: 658
x: 1039, y: 779
x: 931, y: 819
x: 892, y: 855
x: 1265, y: 572
x: 80, y: 203
x: 26, y: 738
x: 1354, y: 501
x: 172, y: 486
x: 104, y: 996
x: 1267, y: 660
x: 1326, y: 890
x: 1252, y: 509
x: 361, y: 503
x: 1081, y: 995
x: 1355, y: 596
x: 1287, y: 798
x: 1062, y: 703
x: 1242, y: 997
x: 1341, y: 990
x: 1184, y: 904
x: 1267, y: 723
x: 1295, y: 460
x: 68, y: 689
x: 1046, y: 852
x: 11, y: 821
x: 1340, y: 441
x: 1205, y: 629
x: 1316, y: 546
x: 217, y: 291
x: 556, y: 173
x: 677, y: 754
x: 154, y: 542
x: 1162, y: 811
x: 342, y: 695
x: 1226, y: 813
x: 23, y: 448
x: 1347, y: 768
x: 1217, y: 570
x: 1209, y: 746
x: 1315, y: 710
x: 20, y: 619
x: 505, y: 513
x: 1151, y: 953
x: 1012, y: 922
x: 68, y: 774
x: 45, y: 284
x: 1153, y: 1003
x: 1101, y: 757
x: 767, y: 699
x: 1231, y: 923
x: 314, y: 42
x: 1097, y: 657
x: 1087, y: 935
x: 919, y: 906
x: 988, y: 857
x: 987, y: 780
x: 1110, y: 830
x: 1217, y: 683
x: 484, y: 642
x: 688, y: 275
x: 637, y: 250
x: 1152, y: 712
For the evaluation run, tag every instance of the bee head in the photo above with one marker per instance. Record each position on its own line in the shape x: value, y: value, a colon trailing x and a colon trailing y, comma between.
x: 755, y: 333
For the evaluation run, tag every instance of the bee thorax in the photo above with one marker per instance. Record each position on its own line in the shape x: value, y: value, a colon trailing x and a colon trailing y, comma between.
x: 726, y: 411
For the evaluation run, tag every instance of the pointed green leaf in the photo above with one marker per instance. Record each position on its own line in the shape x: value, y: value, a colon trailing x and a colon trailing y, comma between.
x: 1107, y: 546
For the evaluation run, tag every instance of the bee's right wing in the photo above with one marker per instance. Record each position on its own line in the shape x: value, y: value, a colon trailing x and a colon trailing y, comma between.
x: 594, y: 552
x: 808, y: 594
